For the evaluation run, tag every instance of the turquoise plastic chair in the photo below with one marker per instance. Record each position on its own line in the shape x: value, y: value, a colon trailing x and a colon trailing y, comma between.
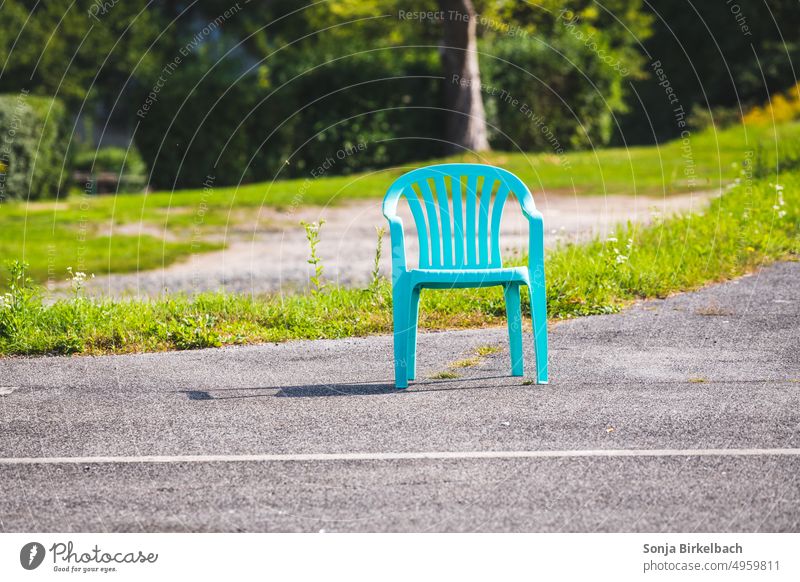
x: 457, y: 210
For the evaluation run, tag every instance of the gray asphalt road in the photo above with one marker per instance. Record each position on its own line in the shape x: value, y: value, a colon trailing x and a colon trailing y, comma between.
x: 715, y: 369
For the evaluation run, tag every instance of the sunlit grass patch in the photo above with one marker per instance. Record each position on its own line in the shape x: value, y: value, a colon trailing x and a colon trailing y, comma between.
x: 748, y: 226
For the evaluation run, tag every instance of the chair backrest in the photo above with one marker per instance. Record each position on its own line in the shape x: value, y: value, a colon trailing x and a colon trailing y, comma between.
x: 457, y: 210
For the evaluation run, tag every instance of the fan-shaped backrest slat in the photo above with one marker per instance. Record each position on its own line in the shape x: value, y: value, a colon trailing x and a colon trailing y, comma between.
x: 445, y: 220
x: 458, y: 220
x: 469, y: 234
x: 433, y: 223
x: 464, y: 233
x: 483, y: 223
x: 497, y: 215
x: 422, y: 231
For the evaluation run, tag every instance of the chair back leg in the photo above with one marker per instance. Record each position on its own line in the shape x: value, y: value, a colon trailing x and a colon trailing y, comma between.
x: 400, y: 304
x: 514, y: 316
x: 539, y: 319
x: 411, y: 334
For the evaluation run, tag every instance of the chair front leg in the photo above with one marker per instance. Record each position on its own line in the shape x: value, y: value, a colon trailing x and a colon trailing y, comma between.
x: 514, y: 316
x: 539, y: 320
x: 400, y: 304
x: 411, y: 332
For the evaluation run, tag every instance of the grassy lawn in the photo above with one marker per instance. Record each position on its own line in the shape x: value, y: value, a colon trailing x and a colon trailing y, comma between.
x: 753, y: 223
x: 84, y: 232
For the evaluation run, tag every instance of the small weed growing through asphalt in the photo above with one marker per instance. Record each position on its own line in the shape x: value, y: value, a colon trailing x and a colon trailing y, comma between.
x: 698, y: 380
x: 487, y: 350
x: 445, y: 375
x: 481, y: 353
x: 713, y: 308
x: 466, y: 363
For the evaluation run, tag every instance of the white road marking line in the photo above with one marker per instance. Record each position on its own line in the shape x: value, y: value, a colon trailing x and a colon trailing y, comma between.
x: 443, y: 455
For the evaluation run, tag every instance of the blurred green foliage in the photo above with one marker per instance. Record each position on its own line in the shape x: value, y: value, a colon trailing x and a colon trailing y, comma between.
x: 80, y: 51
x: 110, y: 159
x: 251, y: 91
x: 34, y: 135
x: 716, y: 55
x: 126, y: 165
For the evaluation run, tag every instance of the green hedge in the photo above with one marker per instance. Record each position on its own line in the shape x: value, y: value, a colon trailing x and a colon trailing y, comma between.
x: 34, y: 134
x: 127, y: 164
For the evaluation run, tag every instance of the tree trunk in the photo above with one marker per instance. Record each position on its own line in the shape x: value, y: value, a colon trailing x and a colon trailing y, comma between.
x: 466, y: 119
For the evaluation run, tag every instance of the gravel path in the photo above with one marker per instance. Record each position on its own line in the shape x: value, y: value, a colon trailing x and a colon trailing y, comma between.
x: 275, y: 259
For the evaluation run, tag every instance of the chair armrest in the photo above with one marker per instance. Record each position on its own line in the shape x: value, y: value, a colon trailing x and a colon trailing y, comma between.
x: 398, y: 247
x: 530, y: 211
x: 535, y: 246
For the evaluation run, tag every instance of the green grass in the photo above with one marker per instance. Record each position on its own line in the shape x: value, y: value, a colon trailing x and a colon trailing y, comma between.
x: 50, y: 240
x: 749, y: 225
x: 75, y: 232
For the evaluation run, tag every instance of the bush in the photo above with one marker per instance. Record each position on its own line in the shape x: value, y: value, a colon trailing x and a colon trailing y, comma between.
x: 772, y: 160
x: 127, y: 165
x: 720, y: 117
x: 780, y: 108
x: 387, y: 110
x: 564, y: 100
x: 190, y: 130
x: 34, y: 135
x: 110, y: 159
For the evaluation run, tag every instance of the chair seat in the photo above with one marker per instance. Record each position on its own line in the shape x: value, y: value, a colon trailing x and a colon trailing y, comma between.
x: 449, y: 278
